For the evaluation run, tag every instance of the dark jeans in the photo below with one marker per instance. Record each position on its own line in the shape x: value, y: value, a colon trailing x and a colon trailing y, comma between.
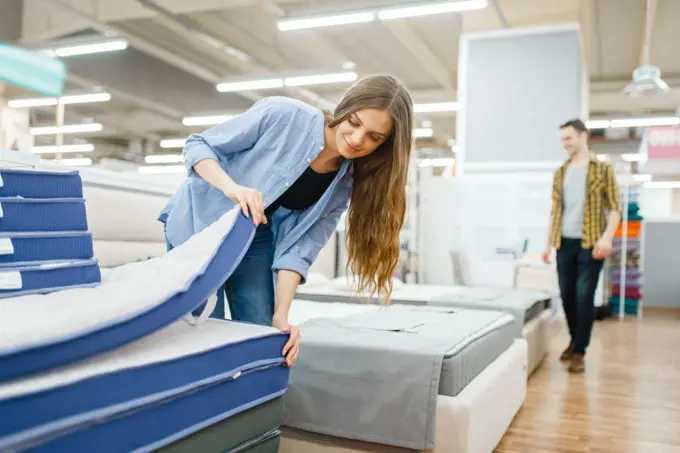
x: 250, y: 288
x: 578, y: 274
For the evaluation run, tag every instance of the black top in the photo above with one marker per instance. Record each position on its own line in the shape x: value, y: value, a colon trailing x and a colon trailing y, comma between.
x: 304, y: 192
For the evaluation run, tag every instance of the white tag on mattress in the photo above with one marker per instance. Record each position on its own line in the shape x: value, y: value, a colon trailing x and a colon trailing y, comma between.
x: 10, y: 280
x: 1, y: 213
x: 2, y: 183
x: 6, y: 246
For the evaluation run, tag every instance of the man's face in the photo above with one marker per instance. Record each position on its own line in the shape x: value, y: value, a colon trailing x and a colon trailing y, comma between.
x: 572, y: 140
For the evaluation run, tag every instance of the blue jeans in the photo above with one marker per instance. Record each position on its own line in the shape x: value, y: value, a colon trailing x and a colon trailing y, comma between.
x: 578, y: 274
x: 250, y: 288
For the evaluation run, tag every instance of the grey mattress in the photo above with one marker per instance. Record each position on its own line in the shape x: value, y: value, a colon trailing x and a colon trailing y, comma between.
x: 467, y: 360
x: 523, y: 305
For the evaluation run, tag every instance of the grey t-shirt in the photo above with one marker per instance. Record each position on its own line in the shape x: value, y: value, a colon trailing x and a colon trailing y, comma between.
x: 573, y: 201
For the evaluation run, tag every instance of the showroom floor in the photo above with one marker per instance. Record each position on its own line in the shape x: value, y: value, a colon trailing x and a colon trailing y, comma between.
x: 628, y: 401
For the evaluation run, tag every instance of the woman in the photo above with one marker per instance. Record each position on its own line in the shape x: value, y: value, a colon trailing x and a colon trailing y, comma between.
x: 294, y: 169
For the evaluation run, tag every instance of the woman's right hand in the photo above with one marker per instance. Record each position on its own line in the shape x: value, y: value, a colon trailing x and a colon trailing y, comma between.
x: 250, y: 200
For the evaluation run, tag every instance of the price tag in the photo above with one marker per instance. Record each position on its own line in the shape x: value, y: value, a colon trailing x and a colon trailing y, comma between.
x: 10, y: 280
x: 6, y: 246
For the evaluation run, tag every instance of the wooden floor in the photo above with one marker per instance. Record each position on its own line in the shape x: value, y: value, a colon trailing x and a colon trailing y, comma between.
x: 628, y: 400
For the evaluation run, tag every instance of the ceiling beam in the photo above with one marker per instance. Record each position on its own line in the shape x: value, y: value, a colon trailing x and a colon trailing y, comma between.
x: 410, y: 39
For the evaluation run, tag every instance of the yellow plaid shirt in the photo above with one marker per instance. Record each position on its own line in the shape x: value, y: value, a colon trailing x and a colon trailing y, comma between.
x: 602, y: 196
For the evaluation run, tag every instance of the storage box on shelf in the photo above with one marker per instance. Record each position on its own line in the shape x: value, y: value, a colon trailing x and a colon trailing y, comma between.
x: 45, y: 244
x: 627, y: 249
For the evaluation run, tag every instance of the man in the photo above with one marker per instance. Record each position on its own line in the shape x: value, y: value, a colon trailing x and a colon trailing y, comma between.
x: 586, y: 211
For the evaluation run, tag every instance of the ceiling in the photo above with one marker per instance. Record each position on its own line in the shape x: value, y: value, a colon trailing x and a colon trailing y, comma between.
x: 175, y: 57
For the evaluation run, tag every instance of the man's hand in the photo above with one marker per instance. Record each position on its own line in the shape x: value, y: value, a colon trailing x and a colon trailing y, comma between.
x: 291, y: 350
x: 546, y: 256
x: 603, y: 248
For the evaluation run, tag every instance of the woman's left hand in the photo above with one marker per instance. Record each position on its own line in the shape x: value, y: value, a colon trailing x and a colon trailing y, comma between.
x: 292, y: 348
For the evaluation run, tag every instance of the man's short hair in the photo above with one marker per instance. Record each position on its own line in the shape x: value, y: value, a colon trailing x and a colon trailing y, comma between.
x: 577, y: 124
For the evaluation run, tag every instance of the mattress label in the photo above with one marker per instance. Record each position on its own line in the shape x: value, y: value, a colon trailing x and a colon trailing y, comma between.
x: 2, y: 183
x: 10, y: 280
x: 6, y: 246
x: 1, y: 213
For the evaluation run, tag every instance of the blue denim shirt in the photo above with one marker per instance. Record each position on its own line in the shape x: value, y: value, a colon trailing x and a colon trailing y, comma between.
x: 266, y: 148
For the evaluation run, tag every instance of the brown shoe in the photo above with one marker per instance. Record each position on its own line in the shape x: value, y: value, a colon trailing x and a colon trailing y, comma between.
x: 566, y: 355
x: 577, y: 364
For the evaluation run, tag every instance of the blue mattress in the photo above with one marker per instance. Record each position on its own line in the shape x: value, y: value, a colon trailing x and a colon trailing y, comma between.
x: 155, y: 391
x: 40, y: 246
x: 126, y: 317
x: 40, y: 184
x: 32, y: 214
x: 46, y: 277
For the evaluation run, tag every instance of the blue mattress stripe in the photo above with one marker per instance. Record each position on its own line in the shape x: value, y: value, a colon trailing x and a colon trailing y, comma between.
x: 44, y: 357
x: 47, y: 247
x: 40, y: 184
x: 100, y: 396
x: 20, y: 214
x: 151, y: 427
x: 37, y: 280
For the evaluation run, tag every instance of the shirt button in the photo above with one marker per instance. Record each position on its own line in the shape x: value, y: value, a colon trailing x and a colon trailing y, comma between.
x: 309, y: 159
x: 287, y: 184
x: 321, y: 147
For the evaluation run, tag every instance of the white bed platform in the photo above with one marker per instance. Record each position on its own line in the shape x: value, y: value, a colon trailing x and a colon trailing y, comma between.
x: 474, y: 421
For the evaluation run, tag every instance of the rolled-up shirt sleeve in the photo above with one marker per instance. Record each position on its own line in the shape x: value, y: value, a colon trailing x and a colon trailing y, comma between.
x: 300, y: 257
x: 234, y: 135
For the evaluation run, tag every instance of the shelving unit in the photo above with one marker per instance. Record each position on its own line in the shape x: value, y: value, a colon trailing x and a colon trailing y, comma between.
x: 626, y: 274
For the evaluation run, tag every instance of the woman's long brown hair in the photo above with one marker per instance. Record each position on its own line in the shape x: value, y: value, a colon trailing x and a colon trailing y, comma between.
x: 378, y: 203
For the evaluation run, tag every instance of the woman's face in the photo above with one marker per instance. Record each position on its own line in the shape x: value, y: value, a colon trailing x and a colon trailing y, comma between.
x: 362, y: 132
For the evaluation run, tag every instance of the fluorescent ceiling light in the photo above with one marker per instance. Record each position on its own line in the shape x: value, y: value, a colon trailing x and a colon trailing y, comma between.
x: 164, y: 159
x: 320, y: 79
x: 72, y: 99
x: 432, y: 8
x: 435, y: 107
x: 438, y: 162
x: 71, y: 129
x: 602, y: 157
x: 265, y: 84
x: 662, y: 185
x: 633, y: 157
x: 173, y: 143
x: 325, y: 21
x: 85, y: 98
x: 597, y: 124
x: 423, y: 132
x: 84, y: 49
x: 642, y: 178
x: 82, y: 148
x: 162, y: 169
x: 356, y: 17
x: 76, y: 162
x: 642, y: 122
x: 634, y: 122
x: 205, y: 120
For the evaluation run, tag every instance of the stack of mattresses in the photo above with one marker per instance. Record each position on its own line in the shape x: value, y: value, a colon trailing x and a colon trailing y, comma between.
x: 123, y: 367
x: 45, y: 244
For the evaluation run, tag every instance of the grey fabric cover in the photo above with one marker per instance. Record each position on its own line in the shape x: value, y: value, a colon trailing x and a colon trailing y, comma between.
x: 375, y: 376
